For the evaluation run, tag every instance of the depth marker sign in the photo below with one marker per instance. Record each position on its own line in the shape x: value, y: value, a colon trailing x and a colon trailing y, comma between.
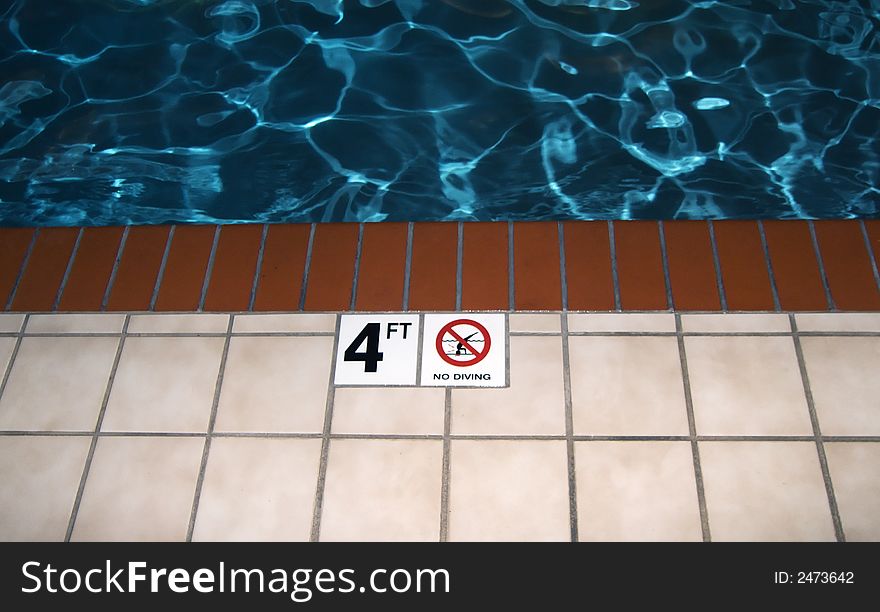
x: 458, y: 350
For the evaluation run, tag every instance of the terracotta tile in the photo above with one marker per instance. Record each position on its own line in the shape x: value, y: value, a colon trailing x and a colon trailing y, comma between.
x: 382, y: 268
x: 691, y: 265
x: 91, y: 269
x: 184, y: 276
x: 854, y: 467
x: 14, y: 243
x: 75, y: 324
x: 531, y: 322
x: 588, y: 275
x: 45, y: 269
x: 382, y: 490
x: 872, y: 227
x: 537, y: 282
x: 235, y: 265
x: 639, y: 265
x: 388, y: 411
x: 269, y: 323
x: 533, y: 404
x: 636, y: 491
x: 795, y: 268
x: 164, y: 385
x: 484, y: 271
x: 40, y: 477
x: 138, y: 268
x: 508, y: 491
x: 743, y: 266
x: 746, y: 386
x: 281, y: 273
x: 332, y: 267
x: 434, y: 264
x: 607, y: 399
x: 57, y: 384
x: 845, y: 385
x: 765, y: 491
x: 275, y: 384
x: 847, y: 265
x: 139, y: 489
x: 258, y: 490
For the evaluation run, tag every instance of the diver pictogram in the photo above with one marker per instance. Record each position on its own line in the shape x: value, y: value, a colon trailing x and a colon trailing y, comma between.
x: 463, y: 342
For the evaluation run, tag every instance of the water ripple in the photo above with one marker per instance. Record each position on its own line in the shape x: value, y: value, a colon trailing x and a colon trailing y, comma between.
x: 152, y: 111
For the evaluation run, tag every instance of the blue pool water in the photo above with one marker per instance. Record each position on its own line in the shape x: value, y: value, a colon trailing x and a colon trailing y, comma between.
x: 152, y: 111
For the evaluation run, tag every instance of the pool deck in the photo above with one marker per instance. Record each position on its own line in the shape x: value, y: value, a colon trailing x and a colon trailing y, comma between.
x: 678, y: 381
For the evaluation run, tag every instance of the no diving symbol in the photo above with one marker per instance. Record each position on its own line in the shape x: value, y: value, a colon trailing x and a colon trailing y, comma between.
x: 463, y: 342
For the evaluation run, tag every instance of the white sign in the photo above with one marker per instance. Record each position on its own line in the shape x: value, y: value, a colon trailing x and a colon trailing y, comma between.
x: 377, y: 350
x: 464, y: 350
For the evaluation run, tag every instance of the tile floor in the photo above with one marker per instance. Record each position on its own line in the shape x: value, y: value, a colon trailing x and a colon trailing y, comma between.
x: 649, y: 426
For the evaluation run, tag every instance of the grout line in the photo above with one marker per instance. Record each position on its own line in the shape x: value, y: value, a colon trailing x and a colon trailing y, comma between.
x: 459, y: 265
x: 828, y: 297
x: 872, y: 256
x: 421, y: 340
x: 22, y: 268
x: 112, y: 280
x: 670, y: 302
x: 692, y: 433
x: 259, y: 268
x: 357, y: 267
x: 563, y: 278
x: 506, y: 351
x: 766, y: 248
x: 67, y: 270
x: 315, y: 534
x: 817, y: 433
x: 407, y: 266
x: 210, y: 432
x: 511, y: 279
x: 719, y: 279
x: 160, y: 276
x: 614, y: 279
x: 210, y: 269
x: 8, y: 371
x: 444, y: 481
x: 569, y: 431
x: 307, y: 268
x: 98, y: 423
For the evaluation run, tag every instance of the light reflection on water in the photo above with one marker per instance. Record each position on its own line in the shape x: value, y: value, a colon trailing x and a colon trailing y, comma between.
x: 151, y: 111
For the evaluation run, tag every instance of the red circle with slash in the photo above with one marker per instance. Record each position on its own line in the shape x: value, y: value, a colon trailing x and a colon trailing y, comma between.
x: 463, y: 343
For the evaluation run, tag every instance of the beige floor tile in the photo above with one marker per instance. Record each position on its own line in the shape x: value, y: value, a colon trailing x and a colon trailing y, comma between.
x: 258, y: 490
x: 382, y: 490
x: 389, y: 411
x: 275, y: 384
x: 40, y: 476
x: 75, y: 324
x: 735, y: 322
x: 164, y: 384
x: 299, y: 322
x: 855, y: 472
x: 7, y: 347
x: 838, y: 321
x: 57, y: 384
x: 179, y: 324
x: 617, y: 322
x: 844, y: 377
x: 765, y: 491
x: 535, y: 322
x: 533, y: 404
x: 627, y: 386
x: 636, y: 491
x: 508, y: 491
x: 747, y: 386
x: 11, y: 323
x: 139, y: 489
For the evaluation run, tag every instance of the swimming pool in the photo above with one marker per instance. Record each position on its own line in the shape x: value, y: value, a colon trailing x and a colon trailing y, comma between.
x: 204, y: 111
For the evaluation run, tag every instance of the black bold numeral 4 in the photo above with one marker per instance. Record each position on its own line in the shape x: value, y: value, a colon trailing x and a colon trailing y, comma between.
x: 371, y: 357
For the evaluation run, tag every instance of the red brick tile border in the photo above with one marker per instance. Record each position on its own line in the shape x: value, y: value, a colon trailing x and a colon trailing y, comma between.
x: 571, y: 265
